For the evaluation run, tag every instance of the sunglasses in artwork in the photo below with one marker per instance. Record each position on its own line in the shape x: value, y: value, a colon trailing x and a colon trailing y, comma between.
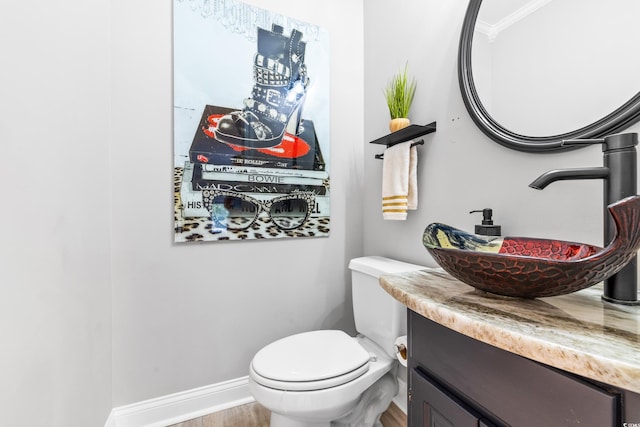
x: 238, y: 211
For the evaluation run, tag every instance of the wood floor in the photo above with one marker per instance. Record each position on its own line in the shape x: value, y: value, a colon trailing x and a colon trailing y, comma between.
x: 256, y: 415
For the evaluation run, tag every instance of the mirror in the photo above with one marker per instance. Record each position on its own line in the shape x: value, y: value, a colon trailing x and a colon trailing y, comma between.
x: 535, y: 72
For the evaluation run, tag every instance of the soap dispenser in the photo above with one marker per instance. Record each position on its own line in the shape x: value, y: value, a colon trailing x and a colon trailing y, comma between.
x: 487, y: 228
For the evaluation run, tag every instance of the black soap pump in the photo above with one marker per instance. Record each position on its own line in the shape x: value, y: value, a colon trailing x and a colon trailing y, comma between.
x: 487, y: 228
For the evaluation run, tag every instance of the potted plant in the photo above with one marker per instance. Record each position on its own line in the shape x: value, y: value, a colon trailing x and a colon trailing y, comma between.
x: 399, y: 94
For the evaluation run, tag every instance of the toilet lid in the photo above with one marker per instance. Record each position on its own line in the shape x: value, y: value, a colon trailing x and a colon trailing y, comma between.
x: 311, y: 356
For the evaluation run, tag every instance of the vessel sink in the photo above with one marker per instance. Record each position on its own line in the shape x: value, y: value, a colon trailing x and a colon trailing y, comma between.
x: 530, y: 267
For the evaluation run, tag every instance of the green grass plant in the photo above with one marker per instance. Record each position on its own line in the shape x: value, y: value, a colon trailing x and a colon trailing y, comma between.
x: 399, y: 94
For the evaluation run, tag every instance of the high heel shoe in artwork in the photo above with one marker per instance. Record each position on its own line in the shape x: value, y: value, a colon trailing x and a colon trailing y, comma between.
x: 278, y: 95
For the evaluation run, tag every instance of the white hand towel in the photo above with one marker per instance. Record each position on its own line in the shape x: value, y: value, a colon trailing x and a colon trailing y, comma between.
x: 413, y: 178
x: 399, y: 181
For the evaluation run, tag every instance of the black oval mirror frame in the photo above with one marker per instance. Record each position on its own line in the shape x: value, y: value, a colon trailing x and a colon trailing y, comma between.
x: 626, y: 115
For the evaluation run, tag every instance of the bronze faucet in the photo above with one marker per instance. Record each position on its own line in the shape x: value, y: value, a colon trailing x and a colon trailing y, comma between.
x: 619, y: 174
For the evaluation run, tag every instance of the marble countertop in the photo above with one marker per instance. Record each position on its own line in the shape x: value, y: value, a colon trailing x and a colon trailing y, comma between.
x: 577, y: 333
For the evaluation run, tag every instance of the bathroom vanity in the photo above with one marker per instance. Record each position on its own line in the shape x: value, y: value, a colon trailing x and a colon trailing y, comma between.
x: 477, y: 359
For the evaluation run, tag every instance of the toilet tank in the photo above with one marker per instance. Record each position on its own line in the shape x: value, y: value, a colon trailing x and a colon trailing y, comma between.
x: 378, y: 316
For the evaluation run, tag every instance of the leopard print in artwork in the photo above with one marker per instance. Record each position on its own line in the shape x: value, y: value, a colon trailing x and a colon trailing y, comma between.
x: 201, y: 229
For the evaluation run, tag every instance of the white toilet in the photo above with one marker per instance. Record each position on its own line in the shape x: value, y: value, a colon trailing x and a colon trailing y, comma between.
x: 327, y: 378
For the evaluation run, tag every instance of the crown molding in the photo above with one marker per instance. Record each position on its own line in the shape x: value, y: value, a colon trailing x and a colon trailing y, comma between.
x: 492, y: 30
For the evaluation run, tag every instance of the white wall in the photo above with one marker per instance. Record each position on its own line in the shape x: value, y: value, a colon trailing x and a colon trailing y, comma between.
x: 460, y: 169
x: 55, y: 293
x: 188, y: 315
x: 86, y: 131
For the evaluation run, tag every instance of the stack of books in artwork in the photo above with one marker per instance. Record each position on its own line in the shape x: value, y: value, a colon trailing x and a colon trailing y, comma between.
x: 296, y: 164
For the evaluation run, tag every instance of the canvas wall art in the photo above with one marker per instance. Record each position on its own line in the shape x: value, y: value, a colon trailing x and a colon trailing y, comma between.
x: 251, y: 124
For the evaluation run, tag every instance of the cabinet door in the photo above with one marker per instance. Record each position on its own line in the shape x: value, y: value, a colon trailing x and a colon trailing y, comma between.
x: 432, y: 406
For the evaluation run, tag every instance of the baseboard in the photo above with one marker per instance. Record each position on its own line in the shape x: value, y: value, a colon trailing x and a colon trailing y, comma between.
x: 401, y: 398
x: 174, y: 408
x: 111, y: 421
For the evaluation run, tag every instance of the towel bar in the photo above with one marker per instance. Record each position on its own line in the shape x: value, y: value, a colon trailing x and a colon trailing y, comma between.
x: 381, y: 156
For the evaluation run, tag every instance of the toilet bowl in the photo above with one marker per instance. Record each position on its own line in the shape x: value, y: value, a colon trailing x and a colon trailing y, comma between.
x: 311, y: 399
x: 328, y: 378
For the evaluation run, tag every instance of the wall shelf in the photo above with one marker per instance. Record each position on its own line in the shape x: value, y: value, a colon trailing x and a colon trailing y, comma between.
x: 406, y: 134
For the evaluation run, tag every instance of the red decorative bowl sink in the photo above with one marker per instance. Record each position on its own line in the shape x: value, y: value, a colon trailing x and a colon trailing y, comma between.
x: 529, y: 267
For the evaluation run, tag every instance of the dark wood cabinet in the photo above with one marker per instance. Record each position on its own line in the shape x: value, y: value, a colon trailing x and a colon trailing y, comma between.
x: 434, y: 406
x: 457, y: 381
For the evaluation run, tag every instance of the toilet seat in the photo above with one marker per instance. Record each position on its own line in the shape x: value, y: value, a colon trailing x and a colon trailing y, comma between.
x: 310, y: 361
